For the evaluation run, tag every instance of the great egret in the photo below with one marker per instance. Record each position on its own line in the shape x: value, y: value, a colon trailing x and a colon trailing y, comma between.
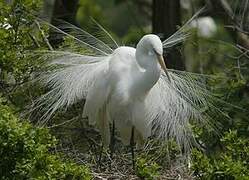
x: 126, y: 86
x: 206, y: 26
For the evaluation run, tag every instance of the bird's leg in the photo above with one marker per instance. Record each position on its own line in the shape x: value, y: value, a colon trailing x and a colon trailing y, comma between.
x: 112, y: 139
x: 132, y: 144
x: 100, y: 155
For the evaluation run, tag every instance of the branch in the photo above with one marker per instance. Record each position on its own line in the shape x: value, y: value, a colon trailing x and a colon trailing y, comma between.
x: 226, y: 13
x: 44, y: 36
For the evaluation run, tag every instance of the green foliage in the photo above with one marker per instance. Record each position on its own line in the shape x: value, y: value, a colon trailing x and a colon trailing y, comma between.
x: 226, y: 157
x: 228, y: 163
x: 15, y: 37
x: 146, y: 169
x: 27, y: 152
x: 133, y: 35
x: 19, y: 34
x: 86, y: 10
x: 156, y: 158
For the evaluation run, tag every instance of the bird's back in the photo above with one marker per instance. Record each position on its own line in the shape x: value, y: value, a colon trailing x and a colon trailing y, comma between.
x: 125, y: 108
x: 122, y: 67
x: 122, y: 60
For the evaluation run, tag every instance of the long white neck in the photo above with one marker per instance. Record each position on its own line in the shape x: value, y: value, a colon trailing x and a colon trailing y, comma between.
x: 149, y: 71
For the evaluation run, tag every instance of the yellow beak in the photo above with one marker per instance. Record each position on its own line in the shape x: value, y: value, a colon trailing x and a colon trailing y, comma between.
x: 163, y: 65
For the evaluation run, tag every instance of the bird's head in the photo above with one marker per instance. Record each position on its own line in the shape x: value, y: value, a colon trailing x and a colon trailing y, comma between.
x: 151, y: 46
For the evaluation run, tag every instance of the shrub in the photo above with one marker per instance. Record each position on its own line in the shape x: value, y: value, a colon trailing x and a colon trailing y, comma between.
x: 230, y: 163
x: 146, y: 170
x: 27, y: 152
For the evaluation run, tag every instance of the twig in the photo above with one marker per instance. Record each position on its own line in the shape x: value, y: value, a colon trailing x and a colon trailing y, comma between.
x: 68, y: 121
x: 228, y: 16
x: 34, y: 40
x: 44, y: 36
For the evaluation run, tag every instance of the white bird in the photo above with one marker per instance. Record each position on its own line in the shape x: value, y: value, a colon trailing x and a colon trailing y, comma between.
x: 206, y: 26
x: 127, y: 86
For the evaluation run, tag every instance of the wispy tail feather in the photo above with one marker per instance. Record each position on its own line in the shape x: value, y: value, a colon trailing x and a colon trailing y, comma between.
x: 183, y: 33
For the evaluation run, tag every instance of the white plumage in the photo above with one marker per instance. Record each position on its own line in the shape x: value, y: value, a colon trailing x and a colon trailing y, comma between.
x: 206, y: 26
x: 127, y: 86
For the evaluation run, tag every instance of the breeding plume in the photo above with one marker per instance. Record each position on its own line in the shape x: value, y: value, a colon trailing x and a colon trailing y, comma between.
x: 126, y: 86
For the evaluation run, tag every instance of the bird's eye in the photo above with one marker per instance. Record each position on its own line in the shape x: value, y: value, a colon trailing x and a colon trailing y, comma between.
x: 155, y: 52
x: 150, y: 53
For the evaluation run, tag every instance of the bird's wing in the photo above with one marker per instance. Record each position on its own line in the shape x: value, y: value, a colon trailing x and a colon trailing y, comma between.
x: 173, y: 105
x: 72, y: 74
x: 100, y: 45
x: 69, y: 84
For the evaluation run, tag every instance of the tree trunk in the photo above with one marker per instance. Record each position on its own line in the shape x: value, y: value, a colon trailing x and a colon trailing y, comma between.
x: 64, y: 10
x: 47, y: 10
x: 8, y: 1
x: 165, y: 20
